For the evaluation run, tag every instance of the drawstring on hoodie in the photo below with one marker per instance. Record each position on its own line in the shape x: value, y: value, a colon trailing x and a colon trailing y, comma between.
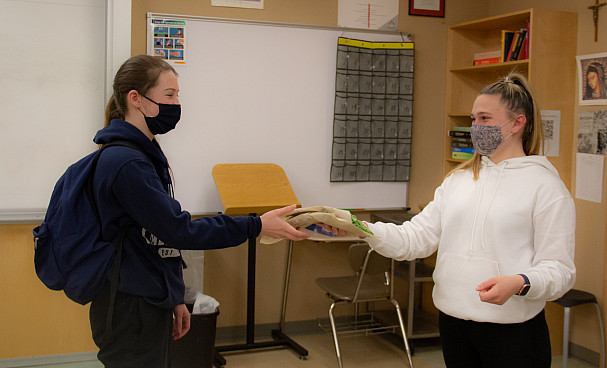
x: 489, y: 206
x: 478, y: 205
x: 486, y: 211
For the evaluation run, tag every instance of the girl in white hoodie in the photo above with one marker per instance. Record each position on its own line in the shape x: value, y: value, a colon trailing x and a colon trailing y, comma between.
x: 503, y: 224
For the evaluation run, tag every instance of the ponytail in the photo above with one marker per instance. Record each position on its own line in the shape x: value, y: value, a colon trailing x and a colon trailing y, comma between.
x: 112, y: 111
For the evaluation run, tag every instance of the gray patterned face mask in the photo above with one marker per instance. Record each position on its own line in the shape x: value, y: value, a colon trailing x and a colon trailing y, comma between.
x: 486, y: 138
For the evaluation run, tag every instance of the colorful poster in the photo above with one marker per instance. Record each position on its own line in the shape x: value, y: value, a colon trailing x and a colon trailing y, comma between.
x: 592, y: 79
x: 167, y: 40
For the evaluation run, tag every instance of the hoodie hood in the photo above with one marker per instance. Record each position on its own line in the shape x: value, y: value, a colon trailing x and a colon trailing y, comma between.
x: 122, y: 130
x: 521, y: 162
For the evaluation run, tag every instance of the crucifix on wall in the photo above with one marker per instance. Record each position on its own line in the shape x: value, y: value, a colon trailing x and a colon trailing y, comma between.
x: 595, y: 17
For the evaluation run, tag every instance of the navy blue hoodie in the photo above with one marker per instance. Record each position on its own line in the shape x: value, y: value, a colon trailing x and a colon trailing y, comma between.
x: 130, y: 185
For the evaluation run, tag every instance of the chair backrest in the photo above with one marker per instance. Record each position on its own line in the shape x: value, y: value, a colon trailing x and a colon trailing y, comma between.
x: 377, y: 264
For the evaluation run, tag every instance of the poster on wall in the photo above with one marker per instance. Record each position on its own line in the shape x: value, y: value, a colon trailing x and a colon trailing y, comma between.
x: 552, y: 128
x: 592, y: 79
x: 589, y: 177
x: 592, y: 132
x: 368, y: 14
x: 166, y: 39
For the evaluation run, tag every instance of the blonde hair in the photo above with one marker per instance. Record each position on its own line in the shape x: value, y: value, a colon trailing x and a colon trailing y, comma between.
x: 516, y: 94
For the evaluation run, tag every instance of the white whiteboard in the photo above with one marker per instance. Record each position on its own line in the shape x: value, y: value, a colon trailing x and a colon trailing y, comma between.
x: 259, y: 93
x: 57, y: 58
x: 52, y: 93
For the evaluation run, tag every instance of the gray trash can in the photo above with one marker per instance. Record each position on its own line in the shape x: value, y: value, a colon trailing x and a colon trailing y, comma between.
x: 197, y: 348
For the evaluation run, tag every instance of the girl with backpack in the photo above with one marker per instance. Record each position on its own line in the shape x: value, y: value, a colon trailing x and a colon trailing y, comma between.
x: 135, y: 186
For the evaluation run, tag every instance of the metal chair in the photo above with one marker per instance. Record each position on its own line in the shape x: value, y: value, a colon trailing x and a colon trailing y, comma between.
x: 371, y: 282
x: 572, y: 298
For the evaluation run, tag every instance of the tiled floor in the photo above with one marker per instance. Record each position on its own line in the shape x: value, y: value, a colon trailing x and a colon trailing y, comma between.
x: 357, y: 351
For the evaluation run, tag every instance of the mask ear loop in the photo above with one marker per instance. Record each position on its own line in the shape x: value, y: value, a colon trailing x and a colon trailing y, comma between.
x: 139, y: 108
x: 149, y: 99
x: 511, y: 134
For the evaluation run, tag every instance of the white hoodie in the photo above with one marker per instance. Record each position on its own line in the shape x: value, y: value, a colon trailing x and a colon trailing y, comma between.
x: 518, y: 217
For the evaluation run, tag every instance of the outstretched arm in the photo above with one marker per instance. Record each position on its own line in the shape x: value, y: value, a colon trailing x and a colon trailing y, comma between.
x: 274, y: 225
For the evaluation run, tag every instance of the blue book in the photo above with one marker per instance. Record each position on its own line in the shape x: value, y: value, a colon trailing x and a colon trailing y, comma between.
x: 462, y: 149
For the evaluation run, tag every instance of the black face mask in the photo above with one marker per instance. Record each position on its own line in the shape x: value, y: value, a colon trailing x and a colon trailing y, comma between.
x: 166, y: 120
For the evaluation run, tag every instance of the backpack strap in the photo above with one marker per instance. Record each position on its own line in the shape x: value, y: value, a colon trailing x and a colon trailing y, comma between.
x: 89, y: 180
x: 118, y: 240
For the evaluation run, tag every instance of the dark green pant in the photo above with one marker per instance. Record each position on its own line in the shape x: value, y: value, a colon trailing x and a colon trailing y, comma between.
x: 141, y: 333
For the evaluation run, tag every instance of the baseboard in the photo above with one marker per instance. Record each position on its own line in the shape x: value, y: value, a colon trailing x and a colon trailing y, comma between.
x: 235, y: 334
x: 48, y: 359
x: 223, y: 335
x: 584, y: 354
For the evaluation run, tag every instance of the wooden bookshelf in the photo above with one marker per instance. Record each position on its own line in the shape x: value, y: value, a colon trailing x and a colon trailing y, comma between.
x: 550, y: 68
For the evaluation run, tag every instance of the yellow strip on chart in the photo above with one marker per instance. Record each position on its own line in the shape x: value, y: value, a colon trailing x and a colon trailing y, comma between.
x: 375, y: 45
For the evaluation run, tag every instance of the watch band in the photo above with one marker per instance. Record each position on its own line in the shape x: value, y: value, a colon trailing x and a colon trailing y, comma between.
x: 526, y: 286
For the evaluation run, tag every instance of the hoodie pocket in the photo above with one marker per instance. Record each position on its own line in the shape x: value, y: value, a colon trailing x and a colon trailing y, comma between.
x: 456, y: 278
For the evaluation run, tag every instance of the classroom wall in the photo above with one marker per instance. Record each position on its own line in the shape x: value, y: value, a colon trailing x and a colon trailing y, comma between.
x: 57, y: 326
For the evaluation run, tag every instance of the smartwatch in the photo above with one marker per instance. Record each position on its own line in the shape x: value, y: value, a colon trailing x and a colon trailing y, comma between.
x: 526, y: 286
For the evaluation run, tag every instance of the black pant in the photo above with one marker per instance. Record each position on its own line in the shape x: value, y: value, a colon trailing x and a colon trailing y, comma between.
x: 469, y: 344
x: 141, y: 333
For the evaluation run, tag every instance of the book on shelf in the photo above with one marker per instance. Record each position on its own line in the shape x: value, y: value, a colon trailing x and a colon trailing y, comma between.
x: 512, y: 46
x: 515, y: 44
x: 459, y: 133
x: 519, y: 44
x: 506, y: 42
x: 463, y: 149
x: 462, y: 144
x: 461, y: 139
x: 489, y: 57
x: 461, y: 155
x: 524, y: 52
